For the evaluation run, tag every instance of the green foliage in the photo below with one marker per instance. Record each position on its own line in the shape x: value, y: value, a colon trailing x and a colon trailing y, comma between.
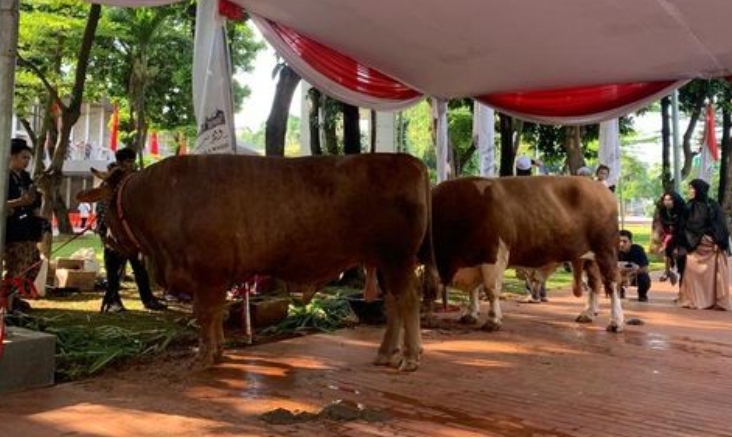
x: 327, y: 311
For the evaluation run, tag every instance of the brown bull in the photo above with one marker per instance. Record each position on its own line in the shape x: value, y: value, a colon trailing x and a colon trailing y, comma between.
x: 210, y: 221
x: 488, y: 225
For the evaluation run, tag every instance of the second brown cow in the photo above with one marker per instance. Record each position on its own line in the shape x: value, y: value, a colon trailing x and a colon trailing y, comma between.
x: 487, y: 225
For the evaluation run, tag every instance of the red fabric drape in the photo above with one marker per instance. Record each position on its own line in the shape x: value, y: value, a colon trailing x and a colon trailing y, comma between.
x: 573, y: 102
x: 230, y: 10
x: 114, y: 128
x: 343, y: 69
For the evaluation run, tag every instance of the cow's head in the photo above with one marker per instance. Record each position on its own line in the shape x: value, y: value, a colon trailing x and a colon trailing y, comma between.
x: 110, y: 181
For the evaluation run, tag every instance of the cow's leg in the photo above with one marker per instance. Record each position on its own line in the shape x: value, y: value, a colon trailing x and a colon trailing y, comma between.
x: 594, y: 280
x: 402, y: 313
x: 473, y: 310
x: 608, y: 268
x: 208, y: 308
x: 493, y: 282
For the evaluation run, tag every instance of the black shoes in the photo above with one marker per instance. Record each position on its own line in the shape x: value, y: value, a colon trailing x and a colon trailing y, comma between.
x: 155, y: 305
x: 642, y: 298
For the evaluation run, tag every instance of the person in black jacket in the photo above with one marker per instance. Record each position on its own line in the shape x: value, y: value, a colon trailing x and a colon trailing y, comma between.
x: 114, y: 262
x: 23, y: 227
x: 633, y: 264
x: 704, y: 239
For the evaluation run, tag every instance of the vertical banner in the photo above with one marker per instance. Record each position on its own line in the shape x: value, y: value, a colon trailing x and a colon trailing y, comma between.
x: 609, y: 153
x: 212, y: 96
x: 709, y: 149
x: 439, y: 115
x: 114, y: 128
x: 484, y: 137
x: 154, y: 146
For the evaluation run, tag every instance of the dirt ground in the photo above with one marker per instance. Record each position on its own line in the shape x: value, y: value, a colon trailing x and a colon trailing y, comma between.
x: 541, y: 375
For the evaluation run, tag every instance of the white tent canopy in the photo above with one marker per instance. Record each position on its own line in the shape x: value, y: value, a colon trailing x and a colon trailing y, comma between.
x: 547, y: 61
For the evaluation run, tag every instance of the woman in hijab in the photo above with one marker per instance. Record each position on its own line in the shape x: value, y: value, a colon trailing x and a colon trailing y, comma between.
x: 703, y: 236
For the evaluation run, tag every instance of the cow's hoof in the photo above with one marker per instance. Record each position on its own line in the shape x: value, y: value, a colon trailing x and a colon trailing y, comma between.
x: 584, y: 318
x: 615, y: 327
x: 408, y: 365
x: 491, y: 326
x: 201, y: 362
x: 468, y: 319
x: 393, y: 360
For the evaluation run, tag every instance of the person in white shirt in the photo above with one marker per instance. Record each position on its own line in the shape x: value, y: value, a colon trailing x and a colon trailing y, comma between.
x: 84, y: 211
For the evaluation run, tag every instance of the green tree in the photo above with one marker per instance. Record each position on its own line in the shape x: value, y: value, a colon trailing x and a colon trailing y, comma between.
x: 54, y: 55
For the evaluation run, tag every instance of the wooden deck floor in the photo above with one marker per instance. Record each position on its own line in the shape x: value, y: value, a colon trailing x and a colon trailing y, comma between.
x: 542, y: 375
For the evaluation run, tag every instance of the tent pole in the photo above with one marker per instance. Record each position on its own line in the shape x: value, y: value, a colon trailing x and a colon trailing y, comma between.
x: 8, y: 51
x: 675, y: 139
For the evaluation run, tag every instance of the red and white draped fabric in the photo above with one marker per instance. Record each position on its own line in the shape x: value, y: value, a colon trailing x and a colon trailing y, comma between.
x: 212, y: 93
x: 609, y: 153
x: 336, y: 74
x: 580, y: 105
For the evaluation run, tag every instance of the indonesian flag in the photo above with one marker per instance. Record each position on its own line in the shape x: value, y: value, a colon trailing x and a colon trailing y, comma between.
x: 114, y: 128
x: 710, y: 137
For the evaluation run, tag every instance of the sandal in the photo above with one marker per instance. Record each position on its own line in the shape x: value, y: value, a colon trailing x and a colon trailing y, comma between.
x: 664, y: 277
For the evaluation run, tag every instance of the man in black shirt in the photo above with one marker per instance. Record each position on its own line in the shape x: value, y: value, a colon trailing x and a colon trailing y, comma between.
x: 633, y: 264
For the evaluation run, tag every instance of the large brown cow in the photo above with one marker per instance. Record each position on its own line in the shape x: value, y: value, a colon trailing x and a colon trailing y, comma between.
x: 489, y: 224
x: 210, y: 221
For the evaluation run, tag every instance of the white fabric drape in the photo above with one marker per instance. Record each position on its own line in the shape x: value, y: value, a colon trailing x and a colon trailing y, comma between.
x: 322, y: 82
x: 439, y: 114
x: 212, y: 96
x: 609, y: 153
x: 484, y: 137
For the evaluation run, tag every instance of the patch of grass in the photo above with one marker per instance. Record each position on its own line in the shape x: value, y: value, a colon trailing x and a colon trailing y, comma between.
x: 65, y: 245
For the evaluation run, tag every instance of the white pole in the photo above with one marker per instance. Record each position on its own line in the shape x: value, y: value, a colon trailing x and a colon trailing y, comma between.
x: 8, y: 51
x: 675, y: 139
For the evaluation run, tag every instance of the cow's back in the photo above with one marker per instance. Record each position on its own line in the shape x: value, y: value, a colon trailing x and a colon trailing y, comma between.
x: 540, y: 219
x: 294, y: 218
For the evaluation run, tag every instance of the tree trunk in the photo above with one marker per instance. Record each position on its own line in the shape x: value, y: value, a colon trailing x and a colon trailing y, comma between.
x: 372, y: 133
x: 666, y: 173
x: 330, y: 122
x: 508, y: 155
x: 351, y: 130
x: 573, y: 147
x: 276, y: 127
x: 314, y: 97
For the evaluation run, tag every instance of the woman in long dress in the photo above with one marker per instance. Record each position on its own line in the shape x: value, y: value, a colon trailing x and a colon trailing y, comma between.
x: 703, y: 236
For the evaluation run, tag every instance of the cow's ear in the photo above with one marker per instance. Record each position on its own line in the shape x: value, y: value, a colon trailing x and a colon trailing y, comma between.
x: 94, y: 195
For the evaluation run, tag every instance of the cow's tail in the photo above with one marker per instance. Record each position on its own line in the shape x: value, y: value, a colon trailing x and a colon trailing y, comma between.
x: 430, y: 278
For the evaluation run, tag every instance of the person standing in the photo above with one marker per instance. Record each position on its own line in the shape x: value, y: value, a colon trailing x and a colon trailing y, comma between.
x: 536, y: 289
x: 84, y: 211
x: 633, y: 264
x: 704, y: 238
x: 23, y: 228
x: 669, y: 210
x: 114, y: 262
x: 602, y: 174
